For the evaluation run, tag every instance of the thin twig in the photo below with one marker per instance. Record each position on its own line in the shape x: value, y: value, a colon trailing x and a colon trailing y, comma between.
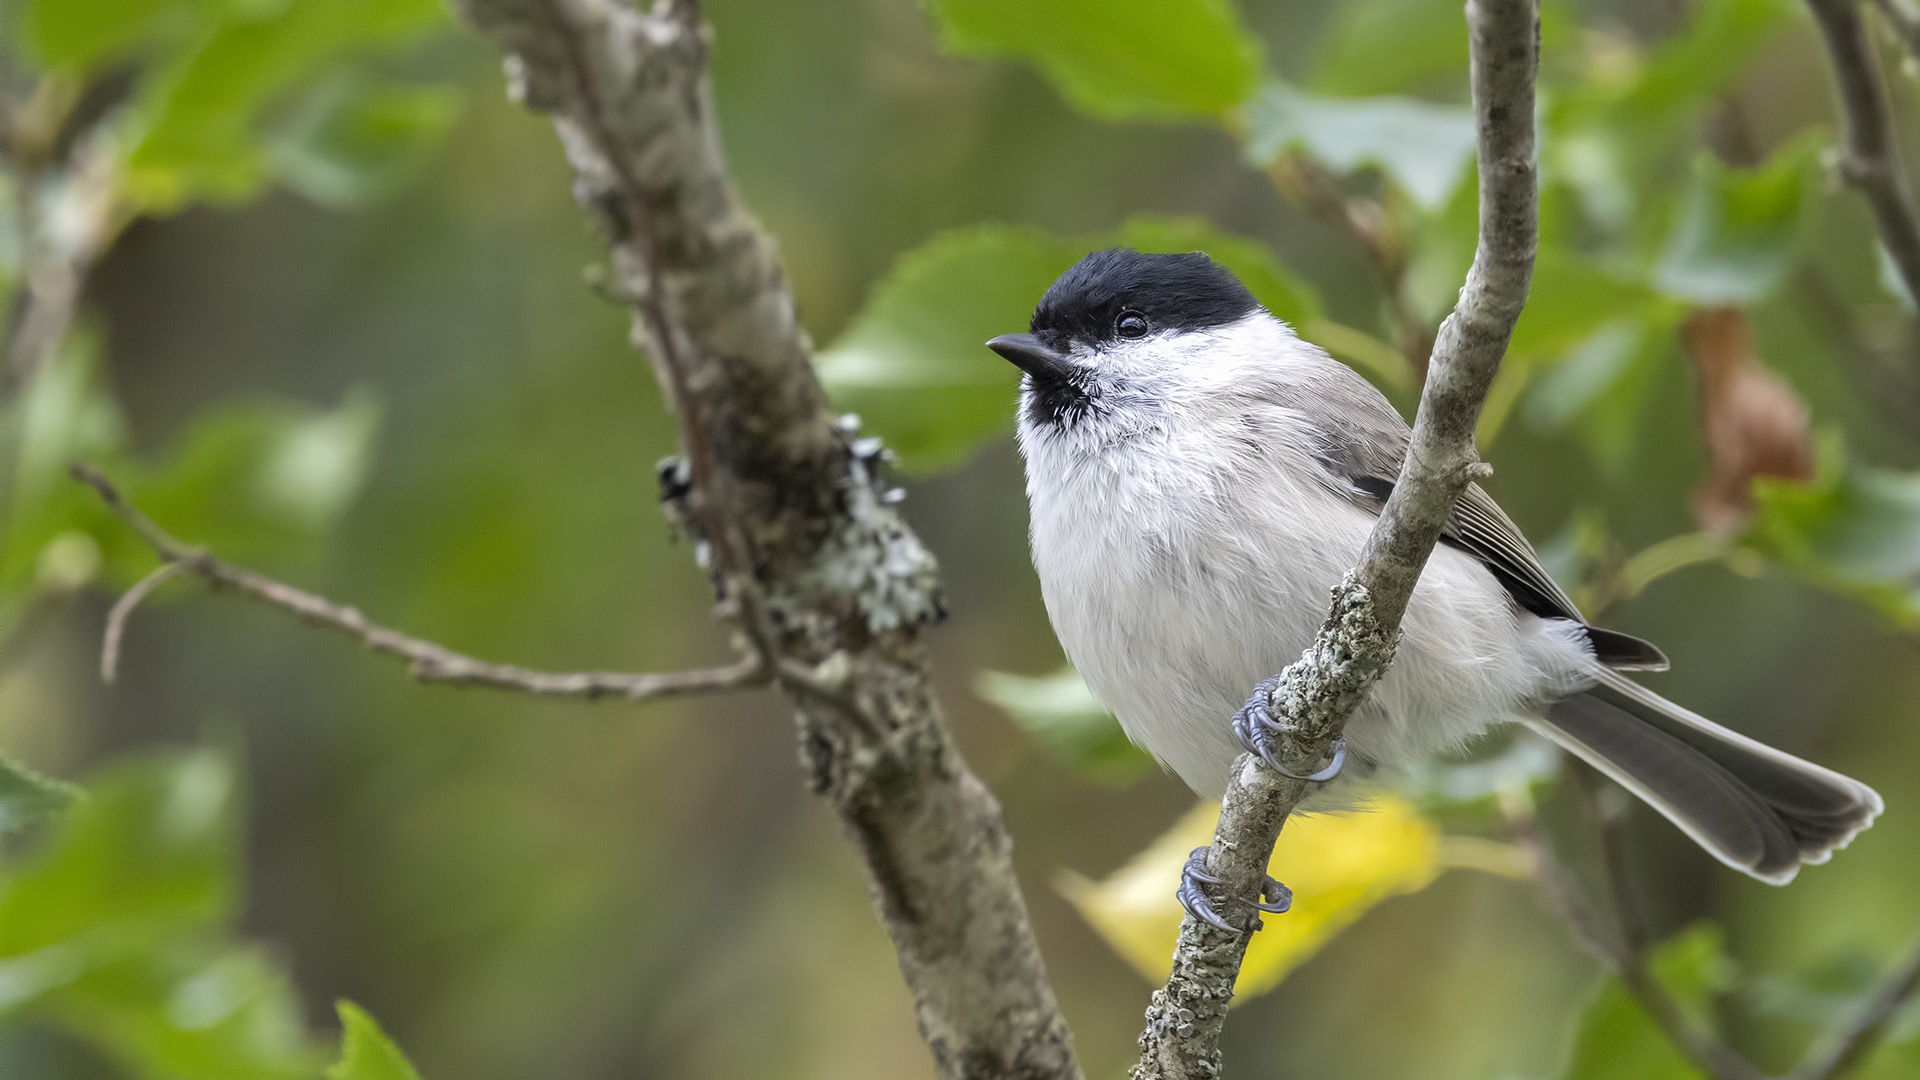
x: 1704, y: 1048
x: 427, y: 661
x: 1870, y: 160
x: 1317, y: 694
x: 1846, y: 1047
x: 117, y: 618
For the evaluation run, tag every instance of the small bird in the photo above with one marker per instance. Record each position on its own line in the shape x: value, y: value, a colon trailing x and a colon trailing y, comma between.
x: 1200, y: 478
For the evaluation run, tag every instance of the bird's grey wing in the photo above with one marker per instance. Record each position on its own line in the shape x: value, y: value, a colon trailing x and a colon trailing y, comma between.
x: 1362, y: 447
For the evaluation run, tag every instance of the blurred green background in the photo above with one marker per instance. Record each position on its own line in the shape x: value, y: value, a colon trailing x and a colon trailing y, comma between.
x: 521, y: 888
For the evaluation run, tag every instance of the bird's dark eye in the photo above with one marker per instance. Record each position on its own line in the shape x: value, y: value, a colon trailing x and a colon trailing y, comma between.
x: 1131, y: 324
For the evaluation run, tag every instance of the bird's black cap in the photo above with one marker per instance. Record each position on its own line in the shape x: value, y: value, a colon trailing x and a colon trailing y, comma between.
x: 1173, y: 292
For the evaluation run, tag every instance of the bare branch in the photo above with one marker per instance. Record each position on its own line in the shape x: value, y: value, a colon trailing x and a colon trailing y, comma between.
x: 1848, y: 1046
x: 1870, y: 160
x: 427, y: 661
x: 1317, y: 694
x: 820, y: 572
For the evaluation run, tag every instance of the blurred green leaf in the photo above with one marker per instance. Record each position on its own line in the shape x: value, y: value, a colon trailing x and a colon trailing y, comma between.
x: 192, y: 1008
x: 195, y: 133
x: 1571, y: 298
x: 1422, y: 147
x: 366, y: 1053
x: 260, y: 481
x: 1853, y: 529
x: 1061, y: 714
x: 1821, y: 995
x: 27, y: 798
x: 1616, y: 1040
x: 1599, y: 387
x: 84, y: 35
x: 114, y: 930
x: 153, y: 845
x: 914, y: 362
x: 1117, y: 59
x: 1679, y: 76
x: 1738, y: 231
x: 352, y: 141
x: 64, y: 414
x: 915, y: 365
x: 1391, y: 46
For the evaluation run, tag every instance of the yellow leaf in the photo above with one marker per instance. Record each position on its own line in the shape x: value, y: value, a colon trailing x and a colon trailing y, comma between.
x: 1338, y: 866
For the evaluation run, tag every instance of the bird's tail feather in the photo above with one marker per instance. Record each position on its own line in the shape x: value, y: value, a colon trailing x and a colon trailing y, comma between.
x: 1759, y: 810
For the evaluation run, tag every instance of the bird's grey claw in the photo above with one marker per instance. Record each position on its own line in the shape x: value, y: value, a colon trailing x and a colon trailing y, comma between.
x: 1254, y: 726
x: 1192, y: 897
x: 1197, y: 866
x: 1275, y: 898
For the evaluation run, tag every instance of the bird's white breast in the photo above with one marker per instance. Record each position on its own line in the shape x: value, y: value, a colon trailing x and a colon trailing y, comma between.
x: 1188, y: 560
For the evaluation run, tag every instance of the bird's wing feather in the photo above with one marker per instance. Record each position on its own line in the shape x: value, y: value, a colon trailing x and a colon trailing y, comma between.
x: 1362, y: 450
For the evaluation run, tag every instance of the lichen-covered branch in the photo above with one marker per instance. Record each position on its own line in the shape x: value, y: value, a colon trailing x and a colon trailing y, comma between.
x: 1870, y: 160
x: 427, y: 661
x: 1318, y: 692
x: 817, y: 568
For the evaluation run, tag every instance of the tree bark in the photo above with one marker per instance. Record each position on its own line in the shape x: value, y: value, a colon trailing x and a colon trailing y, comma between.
x: 813, y: 566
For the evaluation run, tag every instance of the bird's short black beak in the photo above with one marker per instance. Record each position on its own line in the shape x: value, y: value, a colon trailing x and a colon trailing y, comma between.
x: 1027, y: 353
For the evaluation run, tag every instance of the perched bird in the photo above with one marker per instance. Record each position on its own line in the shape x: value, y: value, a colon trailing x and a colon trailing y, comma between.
x: 1200, y: 478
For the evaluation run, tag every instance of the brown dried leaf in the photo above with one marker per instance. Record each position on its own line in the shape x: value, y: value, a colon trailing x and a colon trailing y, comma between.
x: 1751, y: 420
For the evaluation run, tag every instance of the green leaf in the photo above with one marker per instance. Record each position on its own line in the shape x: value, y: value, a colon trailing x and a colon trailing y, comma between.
x: 263, y: 480
x: 154, y: 844
x: 1391, y: 46
x: 914, y: 363
x: 258, y: 480
x: 1422, y: 147
x: 1061, y: 714
x: 27, y: 798
x: 1853, y: 529
x: 194, y: 135
x: 1738, y: 231
x: 1616, y: 1040
x: 366, y: 1052
x: 84, y: 35
x: 192, y: 1007
x: 1680, y: 75
x: 352, y: 141
x: 1116, y: 59
x: 1571, y: 299
x: 1600, y: 386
